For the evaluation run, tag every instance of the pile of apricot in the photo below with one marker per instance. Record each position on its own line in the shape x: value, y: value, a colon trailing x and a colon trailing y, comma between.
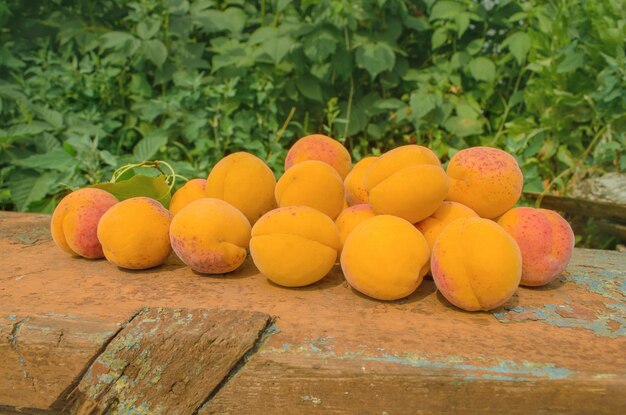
x: 388, y: 220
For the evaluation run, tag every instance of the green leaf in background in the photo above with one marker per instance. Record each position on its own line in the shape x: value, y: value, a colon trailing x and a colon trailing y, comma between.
x: 446, y: 10
x: 421, y: 104
x: 439, y: 37
x: 464, y: 126
x: 115, y: 40
x: 149, y: 145
x: 375, y: 58
x: 482, y: 69
x: 147, y: 28
x: 139, y: 185
x: 155, y: 51
x: 519, y: 45
x: 28, y: 186
x: 573, y: 60
x: 55, y: 159
x: 310, y: 88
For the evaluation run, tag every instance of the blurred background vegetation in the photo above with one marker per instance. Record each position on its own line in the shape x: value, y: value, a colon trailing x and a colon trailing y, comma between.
x: 88, y: 86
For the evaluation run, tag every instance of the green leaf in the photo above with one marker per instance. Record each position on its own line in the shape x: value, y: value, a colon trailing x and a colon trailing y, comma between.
x: 422, y: 103
x: 147, y: 28
x: 28, y: 186
x: 519, y: 45
x: 464, y: 126
x: 573, y: 60
x: 140, y: 185
x: 108, y: 158
x: 461, y: 21
x: 115, y: 40
x: 439, y: 37
x: 155, y: 51
x: 55, y: 159
x: 310, y: 88
x: 482, y: 69
x: 375, y: 58
x: 23, y: 130
x: 149, y: 145
x: 319, y: 45
x: 52, y: 117
x: 446, y: 10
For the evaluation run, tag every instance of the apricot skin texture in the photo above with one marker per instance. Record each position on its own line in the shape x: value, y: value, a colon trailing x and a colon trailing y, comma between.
x: 447, y: 213
x: 74, y: 223
x: 312, y: 183
x: 190, y: 191
x: 211, y: 236
x: 356, y: 193
x: 294, y: 246
x: 322, y: 148
x: 385, y: 258
x: 244, y: 181
x: 407, y: 182
x: 476, y: 265
x: 487, y: 180
x: 350, y: 218
x: 545, y: 239
x: 135, y: 233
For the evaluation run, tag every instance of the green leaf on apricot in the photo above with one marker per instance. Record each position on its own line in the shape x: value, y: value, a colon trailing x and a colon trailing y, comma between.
x: 156, y: 188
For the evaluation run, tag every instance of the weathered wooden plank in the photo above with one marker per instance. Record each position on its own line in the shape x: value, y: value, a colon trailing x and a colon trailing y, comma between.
x: 577, y: 206
x: 42, y: 355
x: 168, y: 361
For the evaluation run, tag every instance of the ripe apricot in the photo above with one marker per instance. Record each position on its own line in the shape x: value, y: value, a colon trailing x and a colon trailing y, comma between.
x: 75, y: 220
x: 476, y: 265
x: 349, y: 218
x: 354, y: 182
x: 294, y: 246
x: 244, y: 181
x: 190, y: 191
x: 447, y: 213
x: 385, y: 257
x: 408, y: 182
x: 322, y: 148
x: 211, y: 236
x: 486, y: 179
x: 545, y: 239
x: 311, y: 183
x: 135, y: 233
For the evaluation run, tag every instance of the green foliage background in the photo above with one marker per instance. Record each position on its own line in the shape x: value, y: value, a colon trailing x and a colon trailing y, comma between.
x: 87, y: 86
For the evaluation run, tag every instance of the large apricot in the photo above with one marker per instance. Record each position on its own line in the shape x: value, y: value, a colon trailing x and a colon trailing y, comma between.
x: 294, y: 246
x: 447, y: 213
x: 190, y: 191
x: 476, y: 265
x: 385, y: 257
x: 408, y: 182
x: 311, y: 183
x: 244, y: 181
x: 211, y: 236
x: 322, y: 148
x: 486, y: 179
x: 135, y: 233
x: 75, y: 220
x: 356, y: 194
x: 349, y: 218
x: 545, y: 239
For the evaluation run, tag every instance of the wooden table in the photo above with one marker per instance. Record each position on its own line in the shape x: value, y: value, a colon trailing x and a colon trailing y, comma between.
x: 86, y: 337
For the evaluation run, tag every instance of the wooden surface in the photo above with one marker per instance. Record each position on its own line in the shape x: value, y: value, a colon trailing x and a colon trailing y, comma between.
x: 556, y: 349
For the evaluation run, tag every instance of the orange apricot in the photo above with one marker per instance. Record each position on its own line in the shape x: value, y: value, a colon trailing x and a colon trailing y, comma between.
x: 350, y: 218
x: 322, y: 148
x: 354, y: 182
x: 190, y: 191
x: 447, y: 213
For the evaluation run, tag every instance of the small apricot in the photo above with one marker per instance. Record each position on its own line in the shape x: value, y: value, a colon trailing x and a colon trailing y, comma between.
x: 211, y: 236
x: 312, y: 183
x: 135, y: 233
x: 356, y: 194
x: 385, y: 258
x: 190, y: 191
x: 350, y: 217
x: 75, y: 220
x: 322, y: 148
x: 447, y: 213
x: 488, y: 180
x: 545, y: 239
x: 294, y: 246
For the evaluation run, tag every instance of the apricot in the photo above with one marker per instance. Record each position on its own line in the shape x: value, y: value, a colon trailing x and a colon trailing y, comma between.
x: 447, y: 213
x: 349, y: 218
x: 408, y: 182
x: 75, y: 220
x: 211, y: 236
x: 545, y: 239
x: 476, y: 265
x: 385, y: 258
x: 294, y: 246
x: 322, y: 148
x: 135, y: 233
x: 190, y: 191
x: 354, y: 182
x: 486, y: 179
x: 311, y: 183
x: 244, y: 181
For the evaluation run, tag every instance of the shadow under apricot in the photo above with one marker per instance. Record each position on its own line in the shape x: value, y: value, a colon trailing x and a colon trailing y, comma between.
x: 331, y: 280
x: 511, y: 303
